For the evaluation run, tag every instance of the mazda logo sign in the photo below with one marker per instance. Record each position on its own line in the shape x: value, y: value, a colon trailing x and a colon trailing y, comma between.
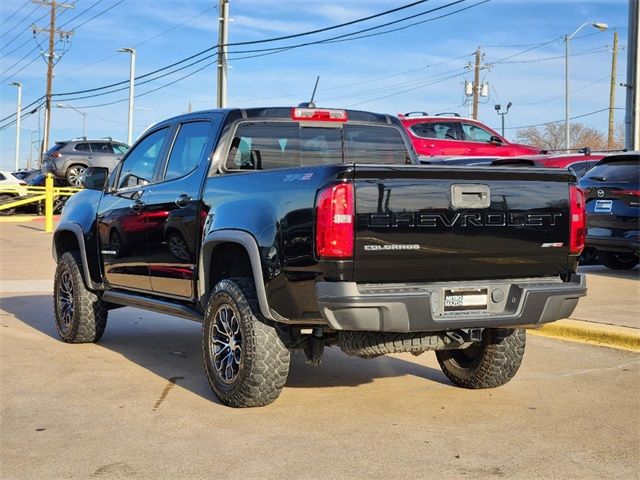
x: 600, y: 193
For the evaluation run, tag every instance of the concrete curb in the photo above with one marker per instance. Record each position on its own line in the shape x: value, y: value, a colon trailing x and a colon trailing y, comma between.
x: 613, y: 336
x: 25, y: 218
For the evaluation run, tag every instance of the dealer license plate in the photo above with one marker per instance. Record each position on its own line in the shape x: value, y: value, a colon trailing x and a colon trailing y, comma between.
x: 603, y: 206
x: 467, y: 299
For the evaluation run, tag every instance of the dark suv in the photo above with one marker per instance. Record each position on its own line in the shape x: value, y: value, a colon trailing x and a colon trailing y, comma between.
x: 69, y: 159
x: 612, y: 191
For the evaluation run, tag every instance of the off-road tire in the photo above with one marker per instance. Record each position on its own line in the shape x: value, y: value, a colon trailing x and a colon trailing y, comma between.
x: 618, y: 261
x: 88, y: 317
x: 263, y: 366
x: 487, y: 364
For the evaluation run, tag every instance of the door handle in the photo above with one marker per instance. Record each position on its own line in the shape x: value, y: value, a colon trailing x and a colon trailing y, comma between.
x: 138, y: 206
x: 183, y: 200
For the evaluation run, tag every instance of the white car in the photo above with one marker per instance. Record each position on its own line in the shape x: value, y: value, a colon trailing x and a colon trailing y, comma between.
x: 10, y: 187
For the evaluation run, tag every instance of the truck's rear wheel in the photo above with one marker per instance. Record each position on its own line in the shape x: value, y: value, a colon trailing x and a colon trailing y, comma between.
x: 486, y: 364
x: 245, y: 359
x: 80, y: 315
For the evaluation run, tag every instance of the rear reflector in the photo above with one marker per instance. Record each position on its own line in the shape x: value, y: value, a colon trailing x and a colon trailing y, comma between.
x: 334, y: 221
x: 629, y: 193
x: 578, y: 226
x: 319, y: 115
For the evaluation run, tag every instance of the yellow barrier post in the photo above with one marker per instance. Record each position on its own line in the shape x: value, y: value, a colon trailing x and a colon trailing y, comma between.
x: 48, y: 204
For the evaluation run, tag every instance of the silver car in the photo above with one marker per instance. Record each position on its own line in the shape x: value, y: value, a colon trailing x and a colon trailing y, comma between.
x: 71, y: 158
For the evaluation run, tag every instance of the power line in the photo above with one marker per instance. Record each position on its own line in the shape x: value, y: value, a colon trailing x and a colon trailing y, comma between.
x: 19, y: 23
x: 606, y: 77
x: 81, y: 13
x: 560, y: 121
x: 140, y: 43
x: 272, y: 50
x: 15, y: 13
x: 19, y: 34
x: 97, y: 14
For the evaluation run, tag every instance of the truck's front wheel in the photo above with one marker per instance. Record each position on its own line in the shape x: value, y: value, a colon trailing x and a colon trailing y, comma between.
x: 245, y: 359
x: 486, y: 364
x: 80, y: 314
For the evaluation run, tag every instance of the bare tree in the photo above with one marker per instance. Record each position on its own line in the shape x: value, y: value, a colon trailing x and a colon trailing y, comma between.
x: 551, y: 136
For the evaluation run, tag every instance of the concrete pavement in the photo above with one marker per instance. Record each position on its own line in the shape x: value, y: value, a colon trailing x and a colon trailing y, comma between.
x: 137, y: 405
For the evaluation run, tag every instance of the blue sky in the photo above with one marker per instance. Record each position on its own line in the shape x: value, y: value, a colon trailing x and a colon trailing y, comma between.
x: 417, y: 68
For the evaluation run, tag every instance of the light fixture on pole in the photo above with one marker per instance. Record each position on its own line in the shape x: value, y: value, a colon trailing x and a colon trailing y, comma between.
x: 132, y: 73
x: 567, y: 129
x: 502, y: 114
x: 84, y: 116
x: 18, y: 114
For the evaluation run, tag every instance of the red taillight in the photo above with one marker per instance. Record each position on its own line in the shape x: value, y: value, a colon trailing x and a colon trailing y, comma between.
x: 578, y: 225
x: 319, y: 115
x: 334, y: 221
x: 55, y: 154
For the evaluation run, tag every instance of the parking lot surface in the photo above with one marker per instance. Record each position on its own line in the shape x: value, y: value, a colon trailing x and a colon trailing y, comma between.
x: 137, y: 405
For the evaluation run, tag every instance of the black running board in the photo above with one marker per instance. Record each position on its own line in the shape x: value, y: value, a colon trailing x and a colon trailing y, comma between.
x: 152, y: 304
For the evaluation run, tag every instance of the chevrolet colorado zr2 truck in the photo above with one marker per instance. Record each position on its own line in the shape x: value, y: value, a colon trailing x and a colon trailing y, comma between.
x: 286, y: 229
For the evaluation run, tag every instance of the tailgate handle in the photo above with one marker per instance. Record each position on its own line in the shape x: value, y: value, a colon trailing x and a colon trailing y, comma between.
x: 470, y: 196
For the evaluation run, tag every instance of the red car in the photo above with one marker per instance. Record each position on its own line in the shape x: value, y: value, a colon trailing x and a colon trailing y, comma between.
x: 579, y: 163
x: 453, y: 135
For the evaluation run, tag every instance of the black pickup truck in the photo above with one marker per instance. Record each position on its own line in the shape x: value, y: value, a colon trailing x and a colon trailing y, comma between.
x: 287, y: 229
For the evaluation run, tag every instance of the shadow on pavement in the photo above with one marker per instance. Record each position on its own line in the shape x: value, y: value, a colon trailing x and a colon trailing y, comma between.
x: 171, y: 348
x: 602, y: 271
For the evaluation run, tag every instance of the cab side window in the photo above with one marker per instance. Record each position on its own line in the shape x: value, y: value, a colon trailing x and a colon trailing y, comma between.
x: 473, y: 133
x: 82, y: 147
x: 140, y: 164
x: 101, y: 147
x: 439, y: 130
x: 264, y: 146
x: 188, y: 149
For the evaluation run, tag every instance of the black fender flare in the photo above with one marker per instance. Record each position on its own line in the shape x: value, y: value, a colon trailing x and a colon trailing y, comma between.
x: 249, y: 243
x: 76, y: 229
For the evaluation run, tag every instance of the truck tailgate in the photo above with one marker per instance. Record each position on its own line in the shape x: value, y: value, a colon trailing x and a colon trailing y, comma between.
x: 432, y: 224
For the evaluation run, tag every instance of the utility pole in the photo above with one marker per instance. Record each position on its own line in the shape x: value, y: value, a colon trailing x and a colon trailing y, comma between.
x: 632, y: 114
x: 476, y: 84
x: 53, y: 6
x: 223, y: 38
x: 18, y: 114
x: 612, y: 92
x: 189, y: 108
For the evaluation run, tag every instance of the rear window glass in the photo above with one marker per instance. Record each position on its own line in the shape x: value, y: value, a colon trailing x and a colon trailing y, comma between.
x: 56, y: 147
x: 616, y: 172
x: 272, y: 145
x: 2, y: 177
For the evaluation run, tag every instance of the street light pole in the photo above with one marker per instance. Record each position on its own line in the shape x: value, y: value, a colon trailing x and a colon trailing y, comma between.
x: 132, y: 74
x: 567, y: 128
x: 18, y: 113
x: 84, y: 116
x: 502, y: 114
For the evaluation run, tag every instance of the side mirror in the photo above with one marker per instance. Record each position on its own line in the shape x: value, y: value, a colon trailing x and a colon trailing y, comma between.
x: 95, y: 178
x: 495, y: 140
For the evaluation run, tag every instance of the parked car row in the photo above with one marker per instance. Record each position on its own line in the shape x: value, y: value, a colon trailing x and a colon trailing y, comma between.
x: 69, y: 159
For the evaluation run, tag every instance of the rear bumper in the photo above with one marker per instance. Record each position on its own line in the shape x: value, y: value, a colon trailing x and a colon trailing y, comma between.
x: 614, y: 244
x: 50, y: 167
x: 418, y: 307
